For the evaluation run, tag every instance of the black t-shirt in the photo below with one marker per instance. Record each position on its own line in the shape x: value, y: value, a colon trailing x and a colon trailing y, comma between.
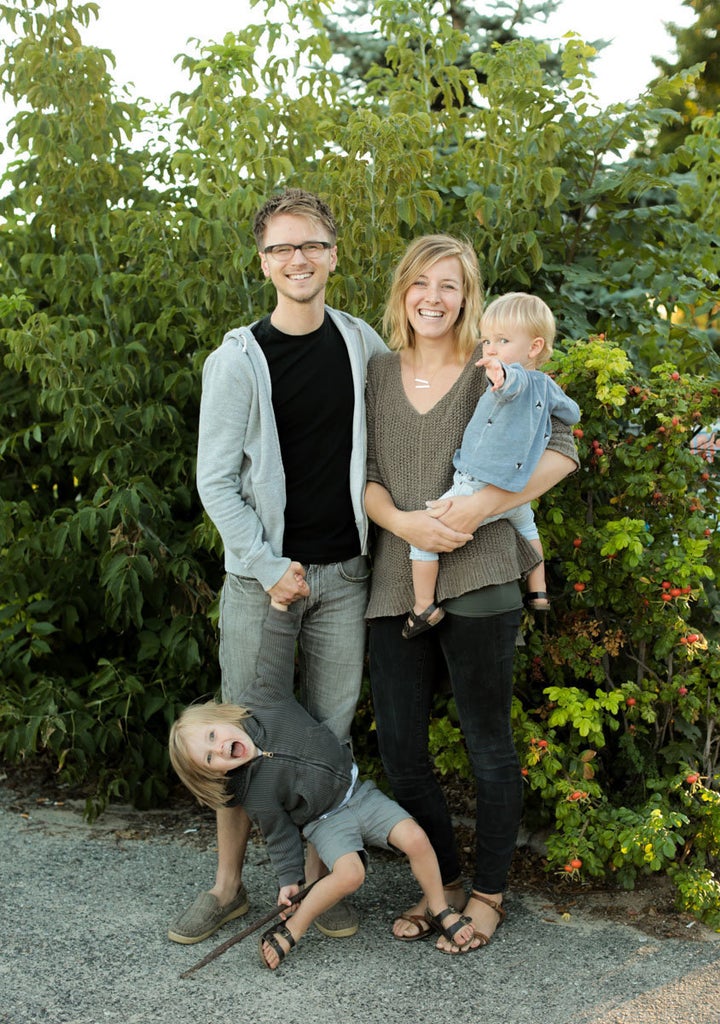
x: 313, y: 401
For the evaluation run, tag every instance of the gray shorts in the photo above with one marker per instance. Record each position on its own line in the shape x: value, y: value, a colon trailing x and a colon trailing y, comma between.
x: 367, y: 819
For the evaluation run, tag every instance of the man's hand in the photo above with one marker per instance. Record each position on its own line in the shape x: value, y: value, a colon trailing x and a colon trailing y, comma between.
x: 291, y: 586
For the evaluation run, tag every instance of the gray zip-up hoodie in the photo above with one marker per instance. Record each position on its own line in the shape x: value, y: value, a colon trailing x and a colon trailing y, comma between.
x: 240, y: 476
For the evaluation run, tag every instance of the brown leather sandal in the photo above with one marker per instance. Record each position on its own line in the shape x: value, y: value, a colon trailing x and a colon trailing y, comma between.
x: 420, y: 922
x: 437, y: 923
x: 497, y: 907
x: 417, y: 623
x: 423, y: 928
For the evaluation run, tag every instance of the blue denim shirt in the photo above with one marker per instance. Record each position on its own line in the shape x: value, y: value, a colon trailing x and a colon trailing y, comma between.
x: 510, y: 428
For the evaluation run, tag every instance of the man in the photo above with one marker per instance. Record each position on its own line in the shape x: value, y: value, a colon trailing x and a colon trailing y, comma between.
x: 281, y: 473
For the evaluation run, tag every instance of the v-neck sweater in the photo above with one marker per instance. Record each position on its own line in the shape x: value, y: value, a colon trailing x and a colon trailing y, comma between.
x: 411, y: 454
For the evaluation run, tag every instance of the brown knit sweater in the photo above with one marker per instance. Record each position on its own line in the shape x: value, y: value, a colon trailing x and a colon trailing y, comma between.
x: 411, y: 455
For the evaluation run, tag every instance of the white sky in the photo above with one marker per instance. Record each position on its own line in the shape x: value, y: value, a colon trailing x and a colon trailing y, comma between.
x: 145, y: 35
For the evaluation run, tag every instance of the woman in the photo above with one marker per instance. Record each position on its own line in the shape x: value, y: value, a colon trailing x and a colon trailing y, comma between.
x: 420, y: 397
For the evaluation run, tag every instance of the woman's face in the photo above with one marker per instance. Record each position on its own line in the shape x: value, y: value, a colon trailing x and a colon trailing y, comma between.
x: 434, y: 300
x: 219, y: 747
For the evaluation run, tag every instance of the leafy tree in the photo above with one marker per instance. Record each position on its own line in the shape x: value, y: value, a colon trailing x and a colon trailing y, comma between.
x: 699, y: 44
x: 364, y: 49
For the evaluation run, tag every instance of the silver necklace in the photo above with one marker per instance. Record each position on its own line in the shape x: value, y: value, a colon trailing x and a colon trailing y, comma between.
x: 422, y: 383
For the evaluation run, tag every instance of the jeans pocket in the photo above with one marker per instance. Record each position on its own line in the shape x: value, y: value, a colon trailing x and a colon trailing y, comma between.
x: 355, y: 570
x: 241, y: 584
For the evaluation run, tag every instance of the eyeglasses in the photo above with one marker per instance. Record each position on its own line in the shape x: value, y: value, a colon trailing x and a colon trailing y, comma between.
x: 285, y: 251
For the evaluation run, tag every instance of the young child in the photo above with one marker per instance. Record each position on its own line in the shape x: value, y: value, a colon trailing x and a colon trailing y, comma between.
x: 506, y: 436
x: 290, y: 774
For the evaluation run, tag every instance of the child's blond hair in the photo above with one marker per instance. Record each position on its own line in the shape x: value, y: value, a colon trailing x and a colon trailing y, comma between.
x: 524, y: 312
x: 207, y: 786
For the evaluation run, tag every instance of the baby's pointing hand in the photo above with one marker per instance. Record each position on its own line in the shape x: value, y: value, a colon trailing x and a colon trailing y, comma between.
x: 494, y: 369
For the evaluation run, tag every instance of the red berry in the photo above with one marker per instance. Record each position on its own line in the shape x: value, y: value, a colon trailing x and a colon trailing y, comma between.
x: 568, y: 868
x: 682, y: 690
x: 523, y: 771
x: 707, y: 532
x: 675, y: 421
x: 578, y: 432
x: 675, y: 375
x: 577, y: 794
x: 543, y: 744
x: 683, y: 640
x: 692, y: 778
x: 704, y: 476
x: 693, y: 638
x: 631, y: 702
x: 665, y: 585
x: 675, y: 592
x: 579, y: 587
x: 577, y: 542
x: 666, y: 597
x: 576, y: 863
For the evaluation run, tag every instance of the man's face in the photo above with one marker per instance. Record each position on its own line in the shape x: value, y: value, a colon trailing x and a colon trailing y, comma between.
x: 301, y: 278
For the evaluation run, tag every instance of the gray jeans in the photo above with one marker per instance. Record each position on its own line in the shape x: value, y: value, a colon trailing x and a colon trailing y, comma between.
x: 331, y: 643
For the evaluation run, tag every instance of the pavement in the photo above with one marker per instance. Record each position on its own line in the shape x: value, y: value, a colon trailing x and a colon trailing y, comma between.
x: 85, y: 910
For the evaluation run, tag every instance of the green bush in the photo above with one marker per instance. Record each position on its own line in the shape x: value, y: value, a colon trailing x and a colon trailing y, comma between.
x: 618, y: 700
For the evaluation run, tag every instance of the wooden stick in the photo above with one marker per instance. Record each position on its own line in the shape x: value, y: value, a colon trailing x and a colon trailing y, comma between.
x: 219, y: 950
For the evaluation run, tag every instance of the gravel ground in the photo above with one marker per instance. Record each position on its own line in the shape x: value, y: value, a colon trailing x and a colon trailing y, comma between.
x: 86, y: 909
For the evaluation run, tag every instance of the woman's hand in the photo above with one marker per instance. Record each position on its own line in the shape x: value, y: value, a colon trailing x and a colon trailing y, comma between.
x: 463, y: 512
x: 424, y: 530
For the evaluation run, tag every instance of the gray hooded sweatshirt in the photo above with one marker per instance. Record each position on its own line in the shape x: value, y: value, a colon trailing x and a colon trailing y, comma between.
x: 240, y: 476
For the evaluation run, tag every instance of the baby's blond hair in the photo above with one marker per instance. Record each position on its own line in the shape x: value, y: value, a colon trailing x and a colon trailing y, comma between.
x: 524, y: 312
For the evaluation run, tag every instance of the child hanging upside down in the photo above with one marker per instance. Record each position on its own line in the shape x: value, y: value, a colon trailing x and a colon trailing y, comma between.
x: 291, y: 774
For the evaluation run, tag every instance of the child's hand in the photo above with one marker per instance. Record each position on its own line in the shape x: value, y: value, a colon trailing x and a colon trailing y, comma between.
x: 284, y: 899
x: 494, y: 369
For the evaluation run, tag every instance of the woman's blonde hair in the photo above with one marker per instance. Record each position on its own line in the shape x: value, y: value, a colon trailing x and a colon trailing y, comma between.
x: 207, y: 786
x: 419, y: 256
x: 520, y: 311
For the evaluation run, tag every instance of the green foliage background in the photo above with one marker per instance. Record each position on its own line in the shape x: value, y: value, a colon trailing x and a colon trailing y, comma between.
x: 125, y: 252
